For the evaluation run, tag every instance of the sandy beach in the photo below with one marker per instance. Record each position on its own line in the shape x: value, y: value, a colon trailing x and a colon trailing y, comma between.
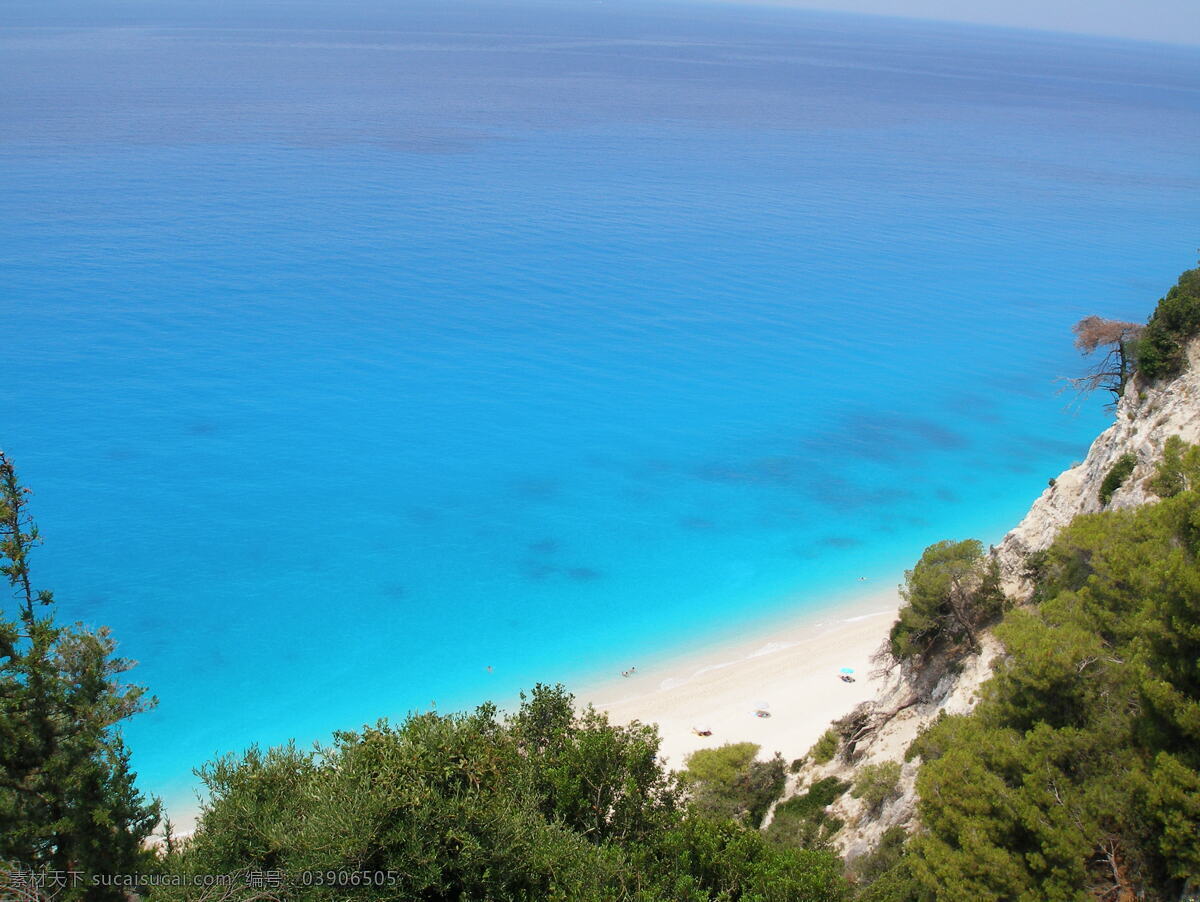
x: 793, y: 667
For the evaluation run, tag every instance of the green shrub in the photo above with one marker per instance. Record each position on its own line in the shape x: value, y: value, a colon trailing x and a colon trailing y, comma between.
x: 547, y: 803
x: 1116, y: 476
x: 1178, y: 471
x: 1078, y: 773
x: 826, y: 747
x: 720, y: 765
x: 883, y: 858
x: 919, y: 747
x: 703, y: 860
x: 804, y: 821
x: 877, y: 784
x: 727, y: 782
x: 1160, y: 350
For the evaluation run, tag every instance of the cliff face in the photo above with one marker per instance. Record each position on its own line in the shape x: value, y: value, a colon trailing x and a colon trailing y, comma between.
x: 1146, y: 417
x: 955, y: 693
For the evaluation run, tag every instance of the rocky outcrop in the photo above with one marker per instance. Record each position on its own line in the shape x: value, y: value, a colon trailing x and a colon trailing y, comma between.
x: 899, y: 713
x: 1147, y: 415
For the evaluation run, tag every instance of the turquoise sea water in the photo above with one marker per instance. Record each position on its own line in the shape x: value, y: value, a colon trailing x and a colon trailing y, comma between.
x: 352, y: 353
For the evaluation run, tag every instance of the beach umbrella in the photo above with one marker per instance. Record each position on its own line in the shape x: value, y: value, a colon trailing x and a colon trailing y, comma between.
x: 847, y: 670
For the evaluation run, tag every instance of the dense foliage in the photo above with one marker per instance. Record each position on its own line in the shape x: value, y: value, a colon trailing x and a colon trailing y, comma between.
x: 804, y: 821
x: 1160, y: 349
x: 67, y: 797
x: 953, y: 590
x: 543, y: 804
x: 1176, y: 471
x: 1078, y: 775
x: 728, y: 782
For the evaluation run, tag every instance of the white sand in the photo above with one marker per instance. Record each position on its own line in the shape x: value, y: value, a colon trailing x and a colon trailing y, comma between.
x: 794, y: 667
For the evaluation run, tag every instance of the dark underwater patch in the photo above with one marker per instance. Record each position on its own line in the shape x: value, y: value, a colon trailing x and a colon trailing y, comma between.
x: 839, y: 542
x: 583, y: 574
x: 883, y: 438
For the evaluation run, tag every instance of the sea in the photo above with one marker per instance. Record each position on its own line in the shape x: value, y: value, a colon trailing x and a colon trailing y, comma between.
x: 378, y: 357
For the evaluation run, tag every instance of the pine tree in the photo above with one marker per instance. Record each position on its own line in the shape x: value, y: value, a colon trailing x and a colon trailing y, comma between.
x: 68, y: 802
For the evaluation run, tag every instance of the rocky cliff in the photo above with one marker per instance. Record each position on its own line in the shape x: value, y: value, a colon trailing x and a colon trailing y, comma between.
x: 1147, y: 415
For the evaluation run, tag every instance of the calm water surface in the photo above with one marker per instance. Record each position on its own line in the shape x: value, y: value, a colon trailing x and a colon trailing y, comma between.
x: 350, y: 354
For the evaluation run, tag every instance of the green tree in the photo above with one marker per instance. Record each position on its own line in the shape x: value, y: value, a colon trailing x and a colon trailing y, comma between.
x: 953, y: 590
x: 1160, y: 350
x: 727, y: 782
x: 1178, y: 471
x: 545, y: 804
x: 67, y: 795
x: 1079, y: 771
x: 601, y: 780
x: 877, y: 784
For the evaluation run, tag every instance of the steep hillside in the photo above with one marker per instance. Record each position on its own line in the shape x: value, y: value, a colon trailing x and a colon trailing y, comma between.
x: 881, y: 730
x: 1147, y: 415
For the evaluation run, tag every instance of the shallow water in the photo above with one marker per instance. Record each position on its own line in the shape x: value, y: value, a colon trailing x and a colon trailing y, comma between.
x: 350, y: 357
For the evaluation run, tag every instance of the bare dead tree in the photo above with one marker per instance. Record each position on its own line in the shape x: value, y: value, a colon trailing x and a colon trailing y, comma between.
x: 1112, y: 372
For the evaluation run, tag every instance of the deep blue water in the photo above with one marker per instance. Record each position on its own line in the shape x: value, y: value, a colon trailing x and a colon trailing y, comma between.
x: 351, y: 353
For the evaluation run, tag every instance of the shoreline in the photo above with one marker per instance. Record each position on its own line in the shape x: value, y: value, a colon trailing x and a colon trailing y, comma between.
x: 792, y: 662
x: 793, y: 665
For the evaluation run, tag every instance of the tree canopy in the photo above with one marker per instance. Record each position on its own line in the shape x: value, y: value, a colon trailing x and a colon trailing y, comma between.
x: 546, y: 803
x: 1160, y: 349
x: 1078, y: 774
x: 950, y: 593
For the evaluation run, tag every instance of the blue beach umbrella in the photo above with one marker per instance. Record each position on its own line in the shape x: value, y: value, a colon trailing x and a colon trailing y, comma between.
x: 847, y: 670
